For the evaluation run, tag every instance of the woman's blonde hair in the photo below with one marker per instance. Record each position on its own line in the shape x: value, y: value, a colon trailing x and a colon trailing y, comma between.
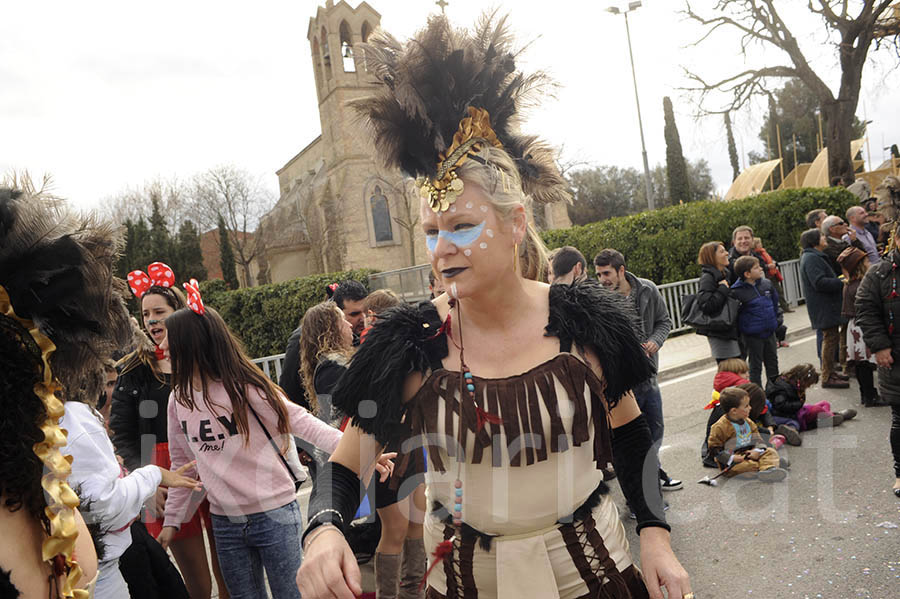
x: 500, y: 180
x: 320, y: 337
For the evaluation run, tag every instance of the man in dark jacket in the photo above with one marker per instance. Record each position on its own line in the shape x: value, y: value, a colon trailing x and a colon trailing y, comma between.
x: 609, y: 265
x: 758, y: 317
x: 823, y: 292
x: 742, y: 245
x: 877, y: 308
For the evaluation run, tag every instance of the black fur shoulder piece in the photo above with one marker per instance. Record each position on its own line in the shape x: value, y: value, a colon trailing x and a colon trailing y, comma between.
x: 588, y: 315
x: 404, y: 340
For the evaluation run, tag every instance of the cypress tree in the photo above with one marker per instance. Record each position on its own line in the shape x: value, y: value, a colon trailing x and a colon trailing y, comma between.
x: 138, y: 252
x: 160, y: 240
x: 190, y: 255
x: 732, y: 148
x: 226, y: 256
x: 676, y: 169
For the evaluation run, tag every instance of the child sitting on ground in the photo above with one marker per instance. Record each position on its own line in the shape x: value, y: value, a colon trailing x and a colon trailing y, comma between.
x: 735, y: 442
x: 787, y: 394
x: 732, y: 372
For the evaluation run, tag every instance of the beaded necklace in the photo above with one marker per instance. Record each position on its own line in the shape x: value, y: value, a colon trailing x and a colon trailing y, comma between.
x: 466, y: 393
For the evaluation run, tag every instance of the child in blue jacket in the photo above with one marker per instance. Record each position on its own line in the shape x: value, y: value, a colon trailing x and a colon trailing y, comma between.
x: 758, y: 318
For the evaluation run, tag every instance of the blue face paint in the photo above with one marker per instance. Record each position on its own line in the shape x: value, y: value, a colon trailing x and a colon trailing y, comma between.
x: 460, y: 239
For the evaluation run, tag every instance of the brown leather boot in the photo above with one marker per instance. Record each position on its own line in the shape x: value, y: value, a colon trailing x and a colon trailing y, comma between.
x: 413, y: 570
x: 387, y: 575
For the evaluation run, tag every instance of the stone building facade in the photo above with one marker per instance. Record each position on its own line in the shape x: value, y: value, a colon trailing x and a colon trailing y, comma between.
x: 339, y: 208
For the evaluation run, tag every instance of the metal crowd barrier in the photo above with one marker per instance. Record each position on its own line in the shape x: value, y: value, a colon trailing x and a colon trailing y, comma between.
x: 271, y: 365
x: 673, y: 292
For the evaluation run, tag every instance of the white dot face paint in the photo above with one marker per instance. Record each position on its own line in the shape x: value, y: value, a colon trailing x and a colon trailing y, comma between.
x: 484, y: 208
x: 468, y: 204
x: 467, y: 252
x: 482, y: 245
x: 490, y: 233
x: 452, y: 208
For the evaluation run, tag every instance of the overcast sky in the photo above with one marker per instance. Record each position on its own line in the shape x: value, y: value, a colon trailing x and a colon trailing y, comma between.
x: 106, y: 95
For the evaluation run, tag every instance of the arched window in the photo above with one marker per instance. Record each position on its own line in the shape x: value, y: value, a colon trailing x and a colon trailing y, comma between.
x: 366, y: 32
x: 347, y: 49
x: 326, y: 54
x: 317, y: 61
x: 381, y: 216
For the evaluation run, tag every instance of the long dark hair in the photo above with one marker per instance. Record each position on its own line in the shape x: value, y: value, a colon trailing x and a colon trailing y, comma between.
x: 205, y: 345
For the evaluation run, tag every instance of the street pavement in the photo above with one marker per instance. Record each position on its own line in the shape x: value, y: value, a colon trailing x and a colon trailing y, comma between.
x: 829, y: 530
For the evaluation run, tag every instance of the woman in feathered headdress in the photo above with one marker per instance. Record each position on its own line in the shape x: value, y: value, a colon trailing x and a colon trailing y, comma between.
x: 519, y: 391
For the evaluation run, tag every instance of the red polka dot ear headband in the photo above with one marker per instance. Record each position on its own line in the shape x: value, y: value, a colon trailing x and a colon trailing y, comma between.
x: 194, y: 301
x: 158, y: 275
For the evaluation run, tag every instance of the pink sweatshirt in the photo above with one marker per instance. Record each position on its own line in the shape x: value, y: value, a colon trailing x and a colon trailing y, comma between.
x: 238, y: 479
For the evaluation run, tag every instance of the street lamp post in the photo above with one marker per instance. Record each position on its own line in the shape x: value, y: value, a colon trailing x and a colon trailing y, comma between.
x: 648, y: 189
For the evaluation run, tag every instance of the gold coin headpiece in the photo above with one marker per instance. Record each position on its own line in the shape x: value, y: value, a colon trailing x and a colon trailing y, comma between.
x: 474, y: 131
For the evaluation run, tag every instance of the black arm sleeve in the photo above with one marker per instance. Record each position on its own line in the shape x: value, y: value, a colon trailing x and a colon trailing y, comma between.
x: 637, y: 468
x: 124, y: 420
x: 338, y: 494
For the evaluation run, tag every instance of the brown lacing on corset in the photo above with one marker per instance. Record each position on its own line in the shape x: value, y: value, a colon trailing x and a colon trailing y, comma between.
x: 517, y: 400
x: 591, y: 558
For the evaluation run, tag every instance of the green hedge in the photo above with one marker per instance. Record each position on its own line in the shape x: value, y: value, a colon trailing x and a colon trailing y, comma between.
x: 264, y: 316
x: 662, y: 245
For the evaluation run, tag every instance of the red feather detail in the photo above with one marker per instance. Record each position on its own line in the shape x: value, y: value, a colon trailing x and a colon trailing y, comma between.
x: 483, y: 417
x: 445, y: 328
x: 443, y: 549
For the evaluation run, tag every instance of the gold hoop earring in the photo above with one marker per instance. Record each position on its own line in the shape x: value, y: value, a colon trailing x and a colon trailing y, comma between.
x: 516, y: 258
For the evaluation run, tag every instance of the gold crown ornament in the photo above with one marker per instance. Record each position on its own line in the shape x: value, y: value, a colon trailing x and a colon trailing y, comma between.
x: 446, y: 186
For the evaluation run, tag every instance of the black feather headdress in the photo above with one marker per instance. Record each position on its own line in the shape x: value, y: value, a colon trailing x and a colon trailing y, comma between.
x: 431, y: 83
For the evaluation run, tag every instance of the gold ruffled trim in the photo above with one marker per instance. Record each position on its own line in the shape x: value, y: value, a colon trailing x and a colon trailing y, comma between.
x: 62, y: 501
x: 473, y: 131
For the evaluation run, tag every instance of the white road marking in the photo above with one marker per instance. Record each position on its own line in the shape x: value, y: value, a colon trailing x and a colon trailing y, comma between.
x: 687, y: 377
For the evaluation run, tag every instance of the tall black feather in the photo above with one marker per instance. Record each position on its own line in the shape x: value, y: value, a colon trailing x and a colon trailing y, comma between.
x: 428, y: 85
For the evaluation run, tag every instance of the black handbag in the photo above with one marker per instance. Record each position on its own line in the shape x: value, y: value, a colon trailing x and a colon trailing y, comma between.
x: 723, y: 322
